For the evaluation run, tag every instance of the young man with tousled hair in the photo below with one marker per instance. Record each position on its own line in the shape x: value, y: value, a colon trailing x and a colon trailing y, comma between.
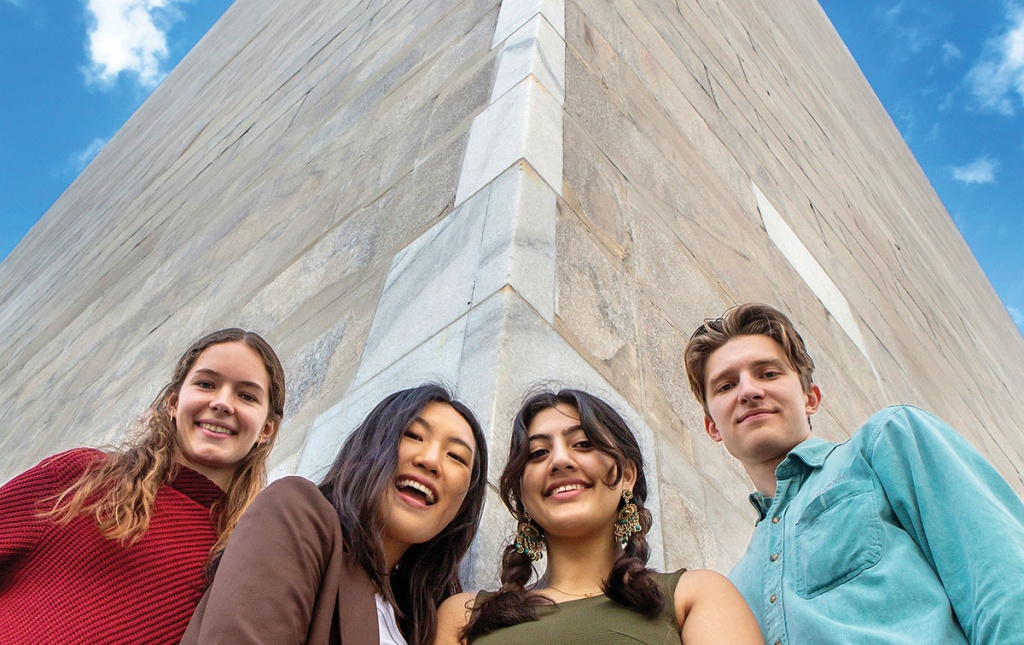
x: 902, y: 534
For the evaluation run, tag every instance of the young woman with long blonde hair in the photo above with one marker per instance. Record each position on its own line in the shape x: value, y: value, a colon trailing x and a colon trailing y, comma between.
x: 111, y: 546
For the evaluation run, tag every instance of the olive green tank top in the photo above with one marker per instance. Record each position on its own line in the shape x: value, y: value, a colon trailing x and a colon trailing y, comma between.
x: 594, y: 621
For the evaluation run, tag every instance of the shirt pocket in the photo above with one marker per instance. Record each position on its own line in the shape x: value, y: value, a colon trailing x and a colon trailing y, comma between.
x: 838, y: 536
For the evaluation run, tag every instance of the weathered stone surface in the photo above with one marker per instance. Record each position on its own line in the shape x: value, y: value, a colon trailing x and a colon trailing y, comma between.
x: 494, y: 194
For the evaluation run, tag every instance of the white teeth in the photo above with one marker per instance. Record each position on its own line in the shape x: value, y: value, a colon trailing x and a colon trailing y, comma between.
x: 567, y: 487
x: 215, y: 429
x: 412, y: 483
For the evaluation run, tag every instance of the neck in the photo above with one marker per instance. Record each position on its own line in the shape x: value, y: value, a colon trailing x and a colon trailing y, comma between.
x: 763, y: 476
x: 578, y: 567
x: 393, y: 552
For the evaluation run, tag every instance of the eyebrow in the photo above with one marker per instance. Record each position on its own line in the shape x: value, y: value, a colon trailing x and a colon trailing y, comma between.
x: 206, y: 370
x: 547, y: 437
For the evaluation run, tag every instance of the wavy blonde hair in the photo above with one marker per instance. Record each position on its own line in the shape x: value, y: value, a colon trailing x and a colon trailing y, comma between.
x: 119, y: 490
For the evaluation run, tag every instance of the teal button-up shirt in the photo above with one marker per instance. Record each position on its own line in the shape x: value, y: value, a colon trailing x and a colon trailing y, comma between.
x: 903, y: 534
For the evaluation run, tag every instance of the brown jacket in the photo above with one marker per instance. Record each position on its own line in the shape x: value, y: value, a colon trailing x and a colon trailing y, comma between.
x: 285, y: 579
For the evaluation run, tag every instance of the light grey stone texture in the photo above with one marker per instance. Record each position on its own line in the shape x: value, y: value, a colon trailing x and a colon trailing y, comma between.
x: 515, y: 13
x: 673, y: 112
x: 503, y: 235
x: 497, y: 193
x: 269, y: 182
x: 524, y: 123
x: 534, y: 49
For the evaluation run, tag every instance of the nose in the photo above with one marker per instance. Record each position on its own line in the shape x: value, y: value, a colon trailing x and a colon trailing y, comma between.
x: 749, y: 389
x: 428, y: 456
x: 222, y: 401
x: 561, y: 458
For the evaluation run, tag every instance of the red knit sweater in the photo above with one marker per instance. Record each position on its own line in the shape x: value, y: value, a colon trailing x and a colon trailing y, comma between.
x: 69, y: 584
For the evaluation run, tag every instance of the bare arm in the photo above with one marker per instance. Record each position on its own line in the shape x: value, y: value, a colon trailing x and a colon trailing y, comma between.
x: 710, y: 611
x: 452, y: 616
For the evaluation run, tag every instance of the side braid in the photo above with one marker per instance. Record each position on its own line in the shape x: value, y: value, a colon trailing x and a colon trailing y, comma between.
x: 630, y: 582
x: 510, y: 604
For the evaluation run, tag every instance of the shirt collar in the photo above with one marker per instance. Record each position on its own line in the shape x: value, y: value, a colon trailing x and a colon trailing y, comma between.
x: 807, y: 455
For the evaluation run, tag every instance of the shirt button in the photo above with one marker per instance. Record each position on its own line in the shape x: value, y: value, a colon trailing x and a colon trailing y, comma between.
x: 775, y: 557
x: 775, y: 520
x: 778, y: 642
x: 773, y: 599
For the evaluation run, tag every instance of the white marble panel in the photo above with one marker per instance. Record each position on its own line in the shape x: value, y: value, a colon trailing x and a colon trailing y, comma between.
x: 429, y: 285
x: 438, y: 359
x: 505, y: 235
x: 525, y: 123
x: 787, y: 241
x: 516, y: 13
x: 518, y: 244
x: 537, y: 49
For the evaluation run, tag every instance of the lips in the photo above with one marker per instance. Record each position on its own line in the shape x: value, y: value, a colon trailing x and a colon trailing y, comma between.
x: 753, y: 413
x: 565, y: 487
x: 419, y: 488
x: 216, y: 429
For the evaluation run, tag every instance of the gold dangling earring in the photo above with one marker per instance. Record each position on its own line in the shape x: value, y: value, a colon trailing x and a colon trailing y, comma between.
x: 628, y: 521
x: 529, y: 540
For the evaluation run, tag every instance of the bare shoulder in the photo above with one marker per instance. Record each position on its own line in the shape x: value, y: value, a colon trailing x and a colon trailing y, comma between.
x: 710, y: 610
x: 701, y: 584
x: 452, y: 616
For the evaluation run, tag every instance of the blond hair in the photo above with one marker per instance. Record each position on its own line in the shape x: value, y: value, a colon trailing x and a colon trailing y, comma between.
x: 119, y: 490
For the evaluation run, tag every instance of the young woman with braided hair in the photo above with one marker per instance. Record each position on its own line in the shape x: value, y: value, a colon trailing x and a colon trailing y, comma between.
x: 575, y: 483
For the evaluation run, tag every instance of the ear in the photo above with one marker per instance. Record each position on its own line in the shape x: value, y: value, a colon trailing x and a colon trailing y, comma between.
x: 712, y: 430
x: 269, y: 428
x: 171, y: 404
x: 628, y: 475
x: 813, y: 400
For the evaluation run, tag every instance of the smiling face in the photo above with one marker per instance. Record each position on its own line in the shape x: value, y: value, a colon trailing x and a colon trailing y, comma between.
x: 757, y: 405
x: 222, y: 410
x: 435, y: 463
x: 565, y: 484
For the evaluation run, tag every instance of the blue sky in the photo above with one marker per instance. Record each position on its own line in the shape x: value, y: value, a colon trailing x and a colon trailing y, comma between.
x: 950, y: 73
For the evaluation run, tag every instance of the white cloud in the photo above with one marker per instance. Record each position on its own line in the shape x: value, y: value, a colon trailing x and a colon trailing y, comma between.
x: 129, y: 36
x: 997, y: 79
x: 81, y: 159
x: 893, y: 12
x: 951, y: 52
x: 979, y: 171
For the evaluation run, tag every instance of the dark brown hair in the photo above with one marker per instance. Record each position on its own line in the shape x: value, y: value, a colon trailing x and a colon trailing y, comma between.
x: 361, y: 475
x: 120, y: 490
x: 750, y: 319
x: 630, y: 582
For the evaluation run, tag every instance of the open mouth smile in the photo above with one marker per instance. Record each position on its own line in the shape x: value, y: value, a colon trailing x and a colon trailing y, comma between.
x: 417, y: 489
x: 565, y: 487
x: 215, y: 429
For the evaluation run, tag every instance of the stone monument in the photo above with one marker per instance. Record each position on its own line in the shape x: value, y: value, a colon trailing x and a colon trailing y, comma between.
x: 493, y: 193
